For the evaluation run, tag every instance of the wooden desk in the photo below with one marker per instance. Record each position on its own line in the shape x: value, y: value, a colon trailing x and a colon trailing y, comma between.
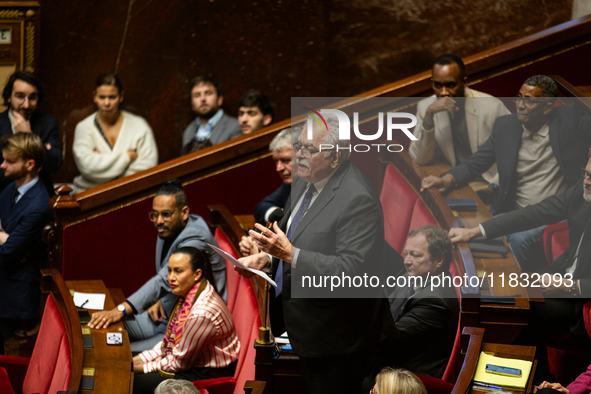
x: 283, y: 373
x: 503, y: 322
x: 113, y: 364
x: 510, y: 351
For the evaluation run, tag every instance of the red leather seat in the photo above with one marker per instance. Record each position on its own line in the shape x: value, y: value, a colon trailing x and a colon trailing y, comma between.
x: 48, y: 370
x: 404, y: 211
x: 243, y: 305
x: 567, y: 354
x: 555, y: 240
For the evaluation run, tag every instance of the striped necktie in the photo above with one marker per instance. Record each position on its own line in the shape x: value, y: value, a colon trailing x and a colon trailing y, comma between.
x: 294, y: 224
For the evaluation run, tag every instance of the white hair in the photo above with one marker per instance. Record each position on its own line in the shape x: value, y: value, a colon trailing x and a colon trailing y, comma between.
x: 333, y: 137
x: 176, y: 386
x: 283, y: 140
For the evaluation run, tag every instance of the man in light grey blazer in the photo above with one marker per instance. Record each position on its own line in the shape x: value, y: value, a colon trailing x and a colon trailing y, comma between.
x: 456, y: 120
x: 212, y: 123
x: 153, y: 302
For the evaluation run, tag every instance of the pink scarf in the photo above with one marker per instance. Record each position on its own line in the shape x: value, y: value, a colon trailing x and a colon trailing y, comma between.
x: 182, y: 308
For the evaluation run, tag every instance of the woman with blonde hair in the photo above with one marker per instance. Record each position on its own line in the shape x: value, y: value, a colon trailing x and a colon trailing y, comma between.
x: 397, y: 381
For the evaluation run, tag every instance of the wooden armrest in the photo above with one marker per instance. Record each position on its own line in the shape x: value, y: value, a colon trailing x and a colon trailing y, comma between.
x: 117, y: 295
x: 471, y: 359
x: 221, y: 218
x: 254, y: 386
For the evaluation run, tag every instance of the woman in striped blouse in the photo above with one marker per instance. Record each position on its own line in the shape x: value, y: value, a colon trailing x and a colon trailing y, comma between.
x: 200, y: 340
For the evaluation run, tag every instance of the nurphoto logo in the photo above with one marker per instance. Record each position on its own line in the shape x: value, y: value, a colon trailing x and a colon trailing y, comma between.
x: 345, y: 129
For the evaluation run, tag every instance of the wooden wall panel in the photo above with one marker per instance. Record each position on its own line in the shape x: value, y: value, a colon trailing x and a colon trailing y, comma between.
x: 286, y: 48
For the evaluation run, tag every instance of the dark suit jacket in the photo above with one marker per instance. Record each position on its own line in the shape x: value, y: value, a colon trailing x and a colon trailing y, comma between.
x: 569, y: 205
x: 422, y: 336
x: 24, y: 253
x: 570, y: 137
x: 45, y: 126
x: 277, y: 199
x: 342, y: 232
x: 224, y: 130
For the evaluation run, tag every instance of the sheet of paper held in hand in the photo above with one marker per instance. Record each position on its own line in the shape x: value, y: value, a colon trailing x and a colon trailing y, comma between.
x: 238, y: 264
x: 89, y: 300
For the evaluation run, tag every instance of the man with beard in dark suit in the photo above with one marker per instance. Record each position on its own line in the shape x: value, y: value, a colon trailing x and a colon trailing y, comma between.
x: 24, y: 212
x: 22, y: 93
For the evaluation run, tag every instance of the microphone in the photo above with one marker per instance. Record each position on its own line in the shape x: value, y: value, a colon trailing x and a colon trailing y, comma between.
x: 276, y: 216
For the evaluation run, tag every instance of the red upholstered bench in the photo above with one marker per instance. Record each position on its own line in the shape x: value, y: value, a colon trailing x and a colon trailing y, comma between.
x: 568, y: 355
x: 49, y: 369
x: 555, y: 240
x: 243, y: 305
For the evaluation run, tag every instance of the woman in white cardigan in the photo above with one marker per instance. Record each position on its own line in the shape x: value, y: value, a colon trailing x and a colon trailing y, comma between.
x: 111, y: 143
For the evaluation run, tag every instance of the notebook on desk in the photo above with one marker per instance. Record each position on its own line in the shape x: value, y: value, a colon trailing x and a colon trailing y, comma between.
x: 499, y: 380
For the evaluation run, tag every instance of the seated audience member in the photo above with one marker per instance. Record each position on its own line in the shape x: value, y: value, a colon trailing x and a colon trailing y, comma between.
x: 453, y: 123
x: 173, y: 386
x: 211, y: 123
x: 153, y: 302
x: 281, y: 148
x: 539, y: 152
x: 22, y: 93
x: 421, y: 327
x: 271, y: 208
x: 111, y: 143
x: 255, y: 111
x: 581, y: 385
x: 200, y: 340
x: 397, y: 381
x: 562, y: 308
x: 24, y: 211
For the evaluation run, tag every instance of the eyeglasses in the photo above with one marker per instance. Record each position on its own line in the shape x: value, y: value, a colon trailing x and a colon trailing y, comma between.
x: 528, y: 101
x: 166, y: 215
x: 22, y: 96
x: 306, y: 152
x: 585, y: 174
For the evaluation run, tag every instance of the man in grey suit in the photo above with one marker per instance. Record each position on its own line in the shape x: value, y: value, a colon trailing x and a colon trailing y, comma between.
x: 153, y: 302
x: 334, y: 226
x: 212, y: 124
